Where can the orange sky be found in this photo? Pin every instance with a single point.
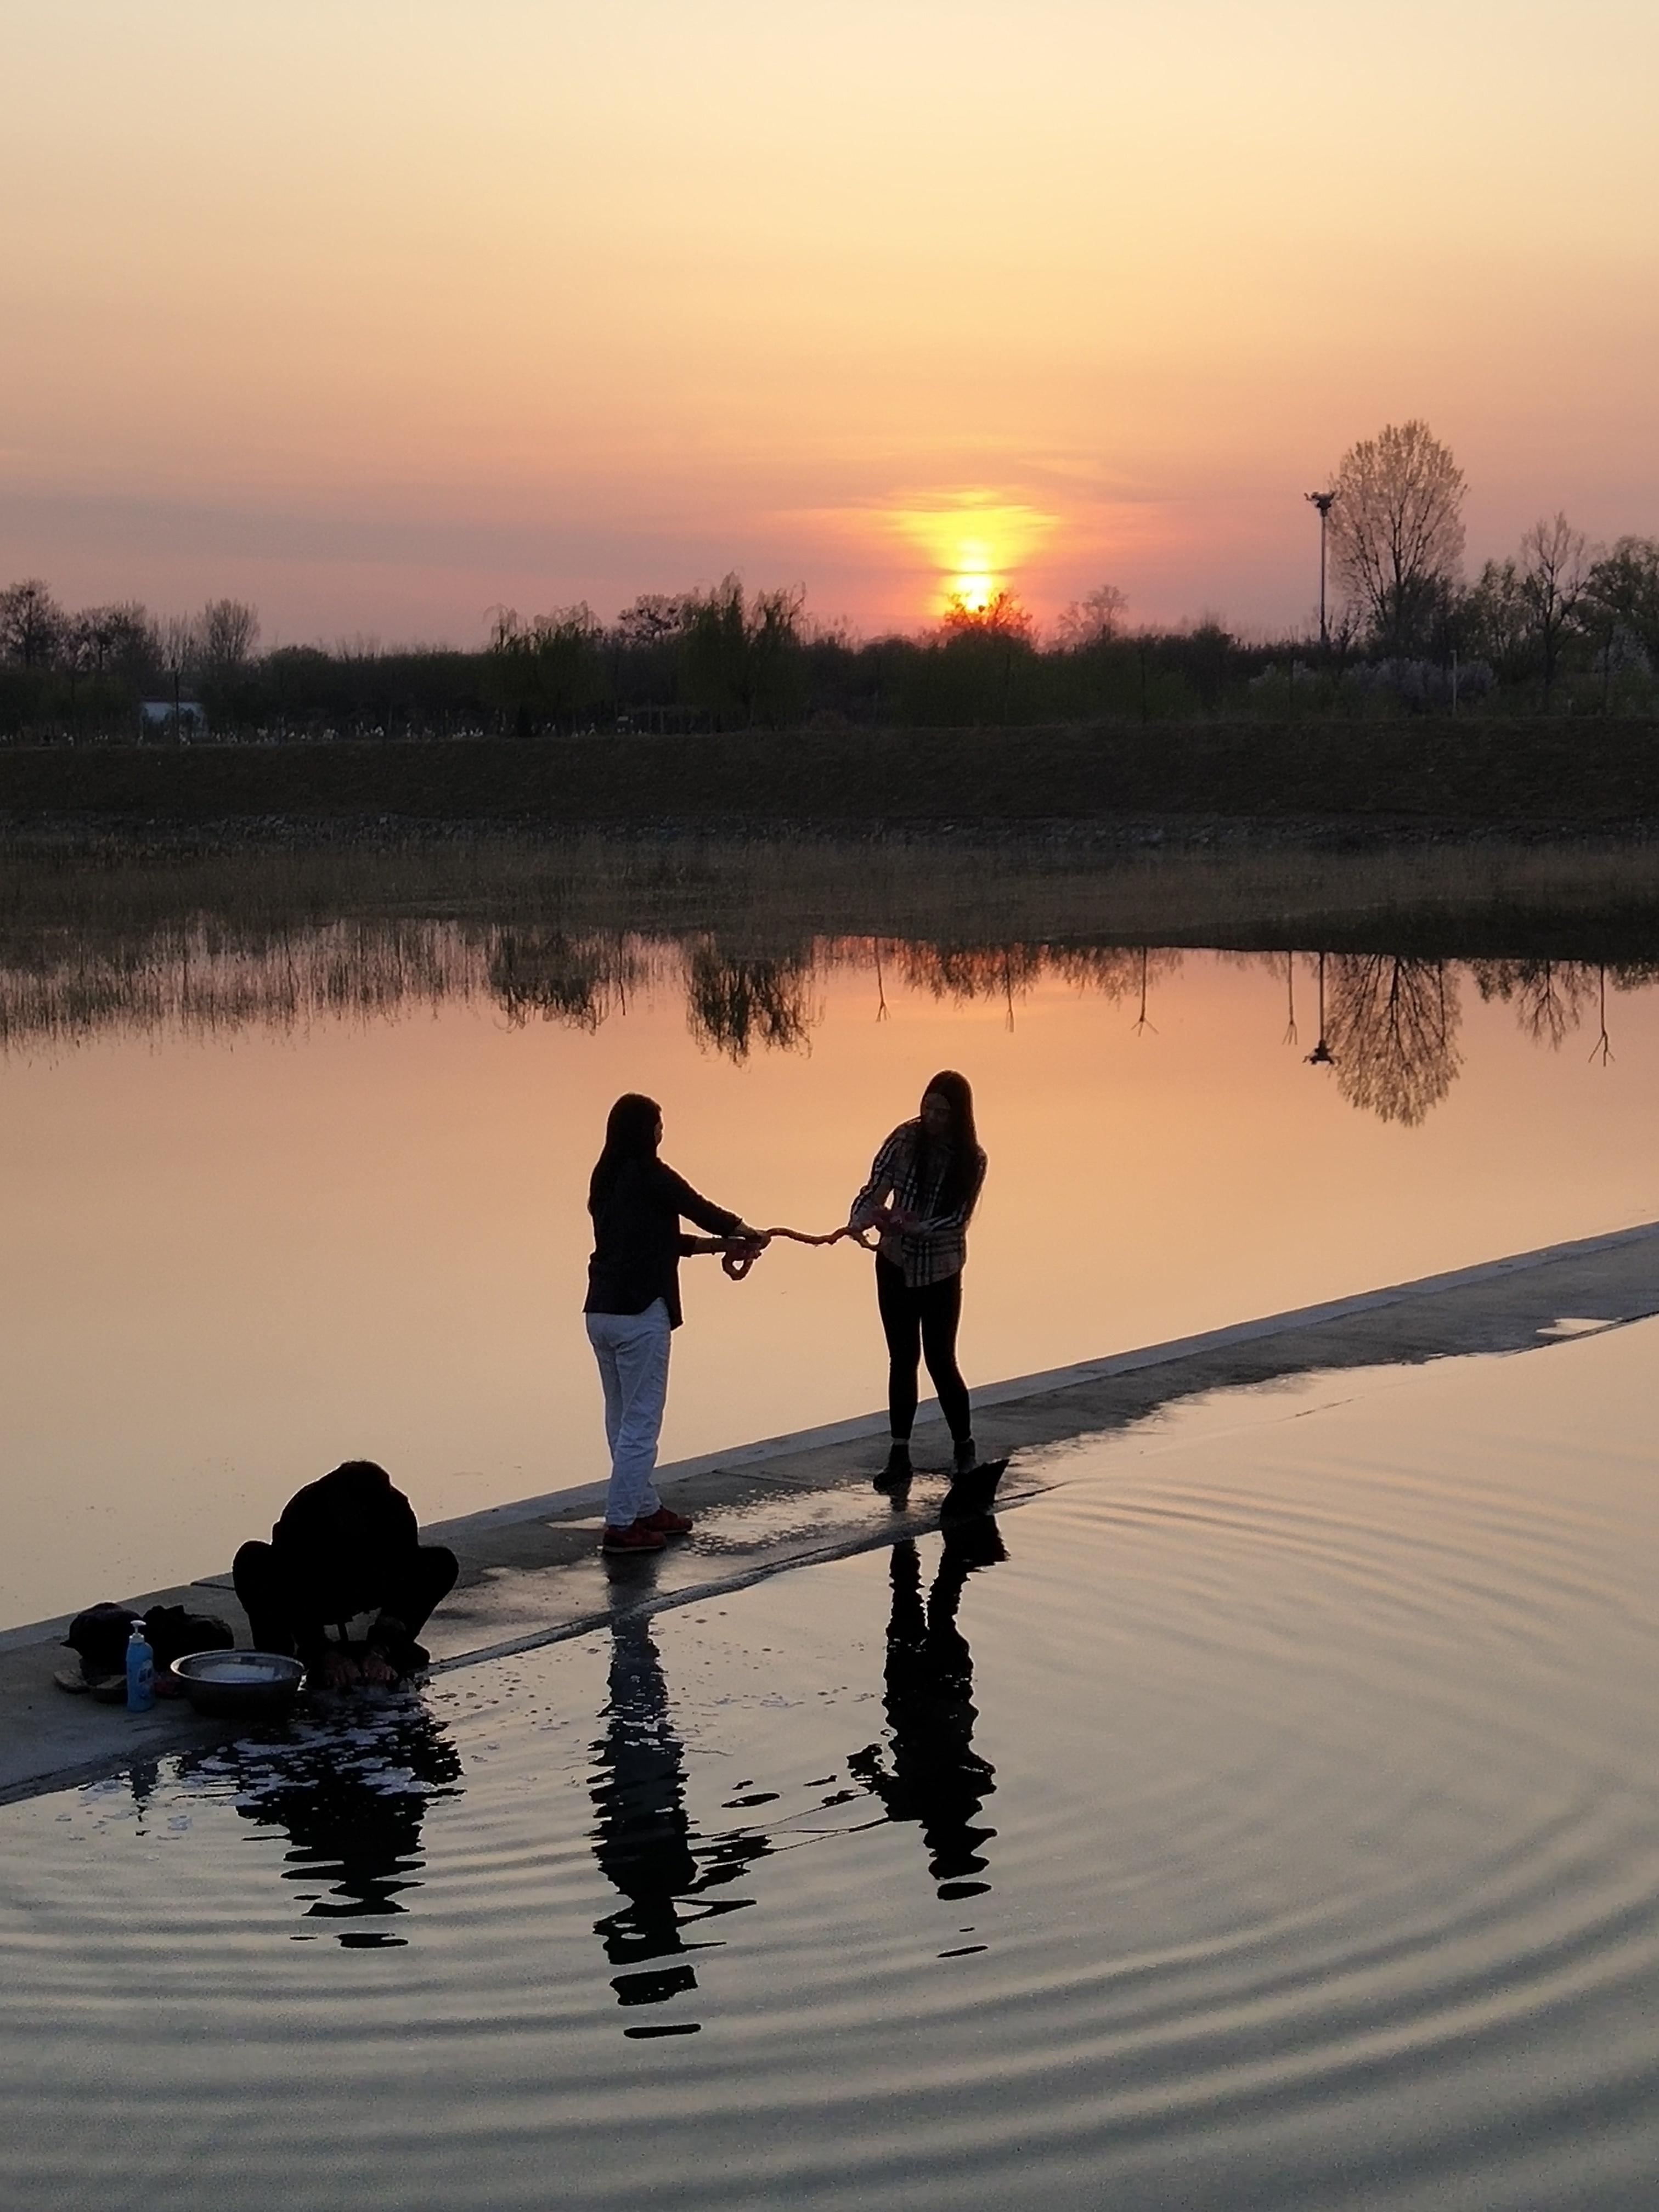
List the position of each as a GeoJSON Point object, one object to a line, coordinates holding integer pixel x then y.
{"type": "Point", "coordinates": [382, 311]}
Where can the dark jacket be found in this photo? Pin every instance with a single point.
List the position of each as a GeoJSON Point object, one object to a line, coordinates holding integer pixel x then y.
{"type": "Point", "coordinates": [345, 1539]}
{"type": "Point", "coordinates": [637, 1242]}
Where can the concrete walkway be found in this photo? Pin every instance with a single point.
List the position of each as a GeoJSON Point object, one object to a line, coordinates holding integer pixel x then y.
{"type": "Point", "coordinates": [531, 1572]}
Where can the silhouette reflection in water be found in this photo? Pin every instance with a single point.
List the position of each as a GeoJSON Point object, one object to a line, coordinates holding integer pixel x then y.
{"type": "Point", "coordinates": [352, 1797]}
{"type": "Point", "coordinates": [928, 1771]}
{"type": "Point", "coordinates": [644, 1842]}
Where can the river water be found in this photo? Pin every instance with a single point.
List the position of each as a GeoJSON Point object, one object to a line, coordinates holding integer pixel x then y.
{"type": "Point", "coordinates": [1266, 1816]}
{"type": "Point", "coordinates": [253, 1228]}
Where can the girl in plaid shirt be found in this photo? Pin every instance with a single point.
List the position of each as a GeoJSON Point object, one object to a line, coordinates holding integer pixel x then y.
{"type": "Point", "coordinates": [923, 1188]}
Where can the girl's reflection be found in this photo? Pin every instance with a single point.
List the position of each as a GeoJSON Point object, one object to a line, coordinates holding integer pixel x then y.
{"type": "Point", "coordinates": [932, 1773]}
{"type": "Point", "coordinates": [643, 1839]}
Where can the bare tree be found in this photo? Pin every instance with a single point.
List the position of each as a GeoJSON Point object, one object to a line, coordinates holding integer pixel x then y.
{"type": "Point", "coordinates": [123, 640]}
{"type": "Point", "coordinates": [1393, 1032]}
{"type": "Point", "coordinates": [1552, 575]}
{"type": "Point", "coordinates": [1495, 620]}
{"type": "Point", "coordinates": [177, 641]}
{"type": "Point", "coordinates": [33, 626]}
{"type": "Point", "coordinates": [227, 633]}
{"type": "Point", "coordinates": [1093, 620]}
{"type": "Point", "coordinates": [1396, 529]}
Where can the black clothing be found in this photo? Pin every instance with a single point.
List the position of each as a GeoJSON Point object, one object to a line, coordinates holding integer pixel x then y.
{"type": "Point", "coordinates": [100, 1636]}
{"type": "Point", "coordinates": [918, 1323]}
{"type": "Point", "coordinates": [281, 1601]}
{"type": "Point", "coordinates": [644, 1840]}
{"type": "Point", "coordinates": [345, 1544]}
{"type": "Point", "coordinates": [928, 1771]}
{"type": "Point", "coordinates": [281, 1604]}
{"type": "Point", "coordinates": [637, 1244]}
{"type": "Point", "coordinates": [353, 1803]}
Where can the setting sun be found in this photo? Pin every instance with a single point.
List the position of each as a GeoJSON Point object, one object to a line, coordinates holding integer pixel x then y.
{"type": "Point", "coordinates": [974, 542]}
{"type": "Point", "coordinates": [974, 583]}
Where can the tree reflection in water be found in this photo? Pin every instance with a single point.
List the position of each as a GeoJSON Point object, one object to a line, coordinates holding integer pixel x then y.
{"type": "Point", "coordinates": [643, 1839]}
{"type": "Point", "coordinates": [578, 981]}
{"type": "Point", "coordinates": [1549, 996]}
{"type": "Point", "coordinates": [1388, 1027]}
{"type": "Point", "coordinates": [1392, 1030]}
{"type": "Point", "coordinates": [927, 1770]}
{"type": "Point", "coordinates": [734, 1003]}
{"type": "Point", "coordinates": [352, 1798]}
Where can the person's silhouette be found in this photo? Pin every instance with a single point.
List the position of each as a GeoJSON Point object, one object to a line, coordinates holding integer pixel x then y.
{"type": "Point", "coordinates": [353, 1807]}
{"type": "Point", "coordinates": [643, 1839]}
{"type": "Point", "coordinates": [929, 1771]}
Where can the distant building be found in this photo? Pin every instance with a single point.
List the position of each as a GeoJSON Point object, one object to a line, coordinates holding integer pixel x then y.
{"type": "Point", "coordinates": [177, 717]}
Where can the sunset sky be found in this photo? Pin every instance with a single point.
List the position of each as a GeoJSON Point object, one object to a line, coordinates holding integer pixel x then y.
{"type": "Point", "coordinates": [382, 314]}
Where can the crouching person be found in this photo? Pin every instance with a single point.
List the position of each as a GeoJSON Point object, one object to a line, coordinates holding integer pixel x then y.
{"type": "Point", "coordinates": [345, 1544]}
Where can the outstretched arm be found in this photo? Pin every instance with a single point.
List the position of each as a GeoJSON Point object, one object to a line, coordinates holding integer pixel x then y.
{"type": "Point", "coordinates": [729, 1230]}
{"type": "Point", "coordinates": [870, 1209]}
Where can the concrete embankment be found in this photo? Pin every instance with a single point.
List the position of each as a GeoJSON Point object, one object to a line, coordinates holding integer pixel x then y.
{"type": "Point", "coordinates": [531, 1573]}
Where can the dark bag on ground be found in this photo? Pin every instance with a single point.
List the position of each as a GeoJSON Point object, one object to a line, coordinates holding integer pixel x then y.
{"type": "Point", "coordinates": [100, 1636]}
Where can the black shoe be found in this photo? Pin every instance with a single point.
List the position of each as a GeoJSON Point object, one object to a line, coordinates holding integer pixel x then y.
{"type": "Point", "coordinates": [896, 1475]}
{"type": "Point", "coordinates": [972, 1493]}
{"type": "Point", "coordinates": [966, 1459]}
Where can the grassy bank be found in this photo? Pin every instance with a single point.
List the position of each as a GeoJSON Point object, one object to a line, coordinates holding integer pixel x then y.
{"type": "Point", "coordinates": [65, 893]}
{"type": "Point", "coordinates": [1410, 777]}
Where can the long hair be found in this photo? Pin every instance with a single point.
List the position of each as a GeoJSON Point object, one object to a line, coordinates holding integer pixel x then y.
{"type": "Point", "coordinates": [960, 1148]}
{"type": "Point", "coordinates": [630, 1133]}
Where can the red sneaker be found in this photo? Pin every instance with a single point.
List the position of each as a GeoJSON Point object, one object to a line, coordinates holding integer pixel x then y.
{"type": "Point", "coordinates": [639, 1537]}
{"type": "Point", "coordinates": [665, 1522]}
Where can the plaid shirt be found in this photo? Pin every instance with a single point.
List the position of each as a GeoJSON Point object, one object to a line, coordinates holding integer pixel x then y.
{"type": "Point", "coordinates": [937, 1247]}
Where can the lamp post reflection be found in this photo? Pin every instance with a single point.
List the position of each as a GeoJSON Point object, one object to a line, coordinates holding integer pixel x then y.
{"type": "Point", "coordinates": [1322, 1055]}
{"type": "Point", "coordinates": [927, 1771]}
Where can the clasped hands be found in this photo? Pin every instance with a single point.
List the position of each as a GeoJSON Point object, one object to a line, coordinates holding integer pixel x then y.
{"type": "Point", "coordinates": [893, 1220]}
{"type": "Point", "coordinates": [739, 1251]}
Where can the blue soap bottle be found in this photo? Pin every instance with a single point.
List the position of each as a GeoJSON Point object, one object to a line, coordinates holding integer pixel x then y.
{"type": "Point", "coordinates": [141, 1671]}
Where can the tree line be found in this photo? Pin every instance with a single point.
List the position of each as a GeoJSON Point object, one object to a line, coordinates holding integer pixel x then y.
{"type": "Point", "coordinates": [1556, 607]}
{"type": "Point", "coordinates": [1558, 625]}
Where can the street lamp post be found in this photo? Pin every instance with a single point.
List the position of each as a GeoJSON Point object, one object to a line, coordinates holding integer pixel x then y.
{"type": "Point", "coordinates": [1324, 501]}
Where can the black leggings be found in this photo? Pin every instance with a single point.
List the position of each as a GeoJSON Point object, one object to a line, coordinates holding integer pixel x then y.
{"type": "Point", "coordinates": [921, 1324]}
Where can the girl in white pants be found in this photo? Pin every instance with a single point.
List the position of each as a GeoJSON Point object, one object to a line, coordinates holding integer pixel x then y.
{"type": "Point", "coordinates": [637, 1203]}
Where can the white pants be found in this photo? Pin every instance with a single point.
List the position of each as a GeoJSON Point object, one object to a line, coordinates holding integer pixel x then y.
{"type": "Point", "coordinates": [632, 1349]}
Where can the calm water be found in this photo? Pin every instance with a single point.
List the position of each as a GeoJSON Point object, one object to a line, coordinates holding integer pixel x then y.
{"type": "Point", "coordinates": [1276, 1824]}
{"type": "Point", "coordinates": [265, 1212]}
